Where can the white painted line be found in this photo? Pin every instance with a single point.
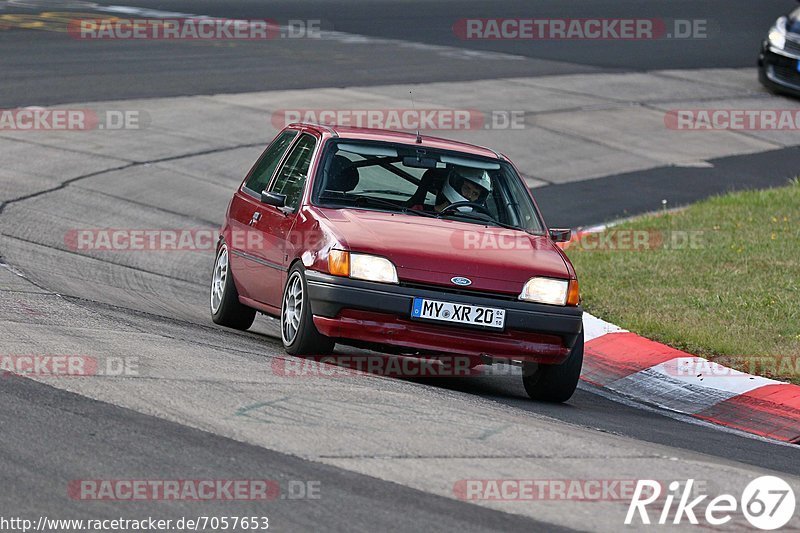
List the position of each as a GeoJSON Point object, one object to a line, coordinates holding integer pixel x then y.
{"type": "Point", "coordinates": [594, 327]}
{"type": "Point", "coordinates": [703, 373]}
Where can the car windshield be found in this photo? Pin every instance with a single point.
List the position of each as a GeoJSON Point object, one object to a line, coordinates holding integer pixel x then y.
{"type": "Point", "coordinates": [425, 182]}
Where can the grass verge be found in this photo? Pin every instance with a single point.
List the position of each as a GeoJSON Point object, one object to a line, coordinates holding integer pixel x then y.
{"type": "Point", "coordinates": [719, 279]}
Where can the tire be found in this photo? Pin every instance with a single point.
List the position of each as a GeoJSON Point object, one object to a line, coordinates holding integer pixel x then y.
{"type": "Point", "coordinates": [298, 333]}
{"type": "Point", "coordinates": [554, 383]}
{"type": "Point", "coordinates": [226, 309]}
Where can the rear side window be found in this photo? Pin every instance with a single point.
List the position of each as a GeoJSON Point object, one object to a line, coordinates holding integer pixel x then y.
{"type": "Point", "coordinates": [294, 173]}
{"type": "Point", "coordinates": [269, 161]}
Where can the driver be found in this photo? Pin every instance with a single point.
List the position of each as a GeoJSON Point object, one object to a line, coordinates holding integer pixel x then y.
{"type": "Point", "coordinates": [464, 184]}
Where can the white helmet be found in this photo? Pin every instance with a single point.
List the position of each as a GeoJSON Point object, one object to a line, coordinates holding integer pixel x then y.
{"type": "Point", "coordinates": [478, 177]}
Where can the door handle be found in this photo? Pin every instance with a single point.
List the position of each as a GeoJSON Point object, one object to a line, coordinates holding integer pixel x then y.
{"type": "Point", "coordinates": [256, 218]}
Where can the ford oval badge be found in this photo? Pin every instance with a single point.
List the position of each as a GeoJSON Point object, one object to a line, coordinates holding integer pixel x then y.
{"type": "Point", "coordinates": [458, 280]}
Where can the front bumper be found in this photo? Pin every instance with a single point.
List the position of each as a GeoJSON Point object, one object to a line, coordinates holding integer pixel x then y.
{"type": "Point", "coordinates": [379, 313]}
{"type": "Point", "coordinates": [778, 69]}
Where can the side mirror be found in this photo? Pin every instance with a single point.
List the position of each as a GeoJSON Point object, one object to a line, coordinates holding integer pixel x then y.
{"type": "Point", "coordinates": [273, 198]}
{"type": "Point", "coordinates": [560, 234]}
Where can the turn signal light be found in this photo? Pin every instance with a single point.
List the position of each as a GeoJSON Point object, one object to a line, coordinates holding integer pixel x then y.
{"type": "Point", "coordinates": [574, 294]}
{"type": "Point", "coordinates": [339, 263]}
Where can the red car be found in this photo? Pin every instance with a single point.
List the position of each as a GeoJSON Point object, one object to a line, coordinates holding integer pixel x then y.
{"type": "Point", "coordinates": [401, 242]}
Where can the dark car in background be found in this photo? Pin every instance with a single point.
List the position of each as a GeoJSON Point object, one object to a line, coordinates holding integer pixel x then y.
{"type": "Point", "coordinates": [779, 60]}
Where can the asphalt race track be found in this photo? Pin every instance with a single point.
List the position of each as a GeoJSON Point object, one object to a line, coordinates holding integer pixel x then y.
{"type": "Point", "coordinates": [67, 70]}
{"type": "Point", "coordinates": [205, 402]}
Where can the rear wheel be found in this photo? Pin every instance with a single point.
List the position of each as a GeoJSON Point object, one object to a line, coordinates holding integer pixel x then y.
{"type": "Point", "coordinates": [226, 309]}
{"type": "Point", "coordinates": [554, 383]}
{"type": "Point", "coordinates": [299, 335]}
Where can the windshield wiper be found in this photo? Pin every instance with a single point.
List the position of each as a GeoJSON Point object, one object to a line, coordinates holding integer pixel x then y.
{"type": "Point", "coordinates": [384, 191]}
{"type": "Point", "coordinates": [483, 218]}
{"type": "Point", "coordinates": [356, 200]}
{"type": "Point", "coordinates": [401, 208]}
{"type": "Point", "coordinates": [337, 195]}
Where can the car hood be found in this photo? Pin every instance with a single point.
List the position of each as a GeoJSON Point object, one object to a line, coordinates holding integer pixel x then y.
{"type": "Point", "coordinates": [433, 251]}
{"type": "Point", "coordinates": [794, 21]}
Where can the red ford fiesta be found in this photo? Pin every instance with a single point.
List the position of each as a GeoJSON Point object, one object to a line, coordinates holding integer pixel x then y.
{"type": "Point", "coordinates": [404, 243]}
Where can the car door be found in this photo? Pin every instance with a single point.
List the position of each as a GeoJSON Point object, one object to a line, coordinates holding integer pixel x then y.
{"type": "Point", "coordinates": [245, 209]}
{"type": "Point", "coordinates": [275, 223]}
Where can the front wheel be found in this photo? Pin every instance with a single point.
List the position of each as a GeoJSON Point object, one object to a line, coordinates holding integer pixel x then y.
{"type": "Point", "coordinates": [298, 333]}
{"type": "Point", "coordinates": [554, 383]}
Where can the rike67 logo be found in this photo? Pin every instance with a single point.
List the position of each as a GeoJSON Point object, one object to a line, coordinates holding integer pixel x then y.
{"type": "Point", "coordinates": [767, 502]}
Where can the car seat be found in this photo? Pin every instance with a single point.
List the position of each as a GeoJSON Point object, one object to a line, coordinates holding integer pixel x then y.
{"type": "Point", "coordinates": [431, 181]}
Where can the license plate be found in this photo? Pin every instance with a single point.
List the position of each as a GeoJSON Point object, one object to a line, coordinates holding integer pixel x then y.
{"type": "Point", "coordinates": [473, 315]}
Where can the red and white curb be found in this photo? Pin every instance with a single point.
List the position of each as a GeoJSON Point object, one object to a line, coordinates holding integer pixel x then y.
{"type": "Point", "coordinates": [656, 374]}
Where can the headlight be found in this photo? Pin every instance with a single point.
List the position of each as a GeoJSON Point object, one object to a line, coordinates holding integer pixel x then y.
{"type": "Point", "coordinates": [777, 34]}
{"type": "Point", "coordinates": [361, 266]}
{"type": "Point", "coordinates": [551, 291]}
{"type": "Point", "coordinates": [372, 268]}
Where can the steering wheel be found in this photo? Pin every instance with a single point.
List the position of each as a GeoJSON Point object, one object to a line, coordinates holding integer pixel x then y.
{"type": "Point", "coordinates": [473, 205]}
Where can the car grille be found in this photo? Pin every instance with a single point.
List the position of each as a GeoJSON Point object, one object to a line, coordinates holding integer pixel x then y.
{"type": "Point", "coordinates": [788, 75]}
{"type": "Point", "coordinates": [792, 47]}
{"type": "Point", "coordinates": [449, 290]}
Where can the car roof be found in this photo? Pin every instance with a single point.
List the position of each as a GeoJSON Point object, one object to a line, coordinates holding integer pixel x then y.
{"type": "Point", "coordinates": [400, 137]}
